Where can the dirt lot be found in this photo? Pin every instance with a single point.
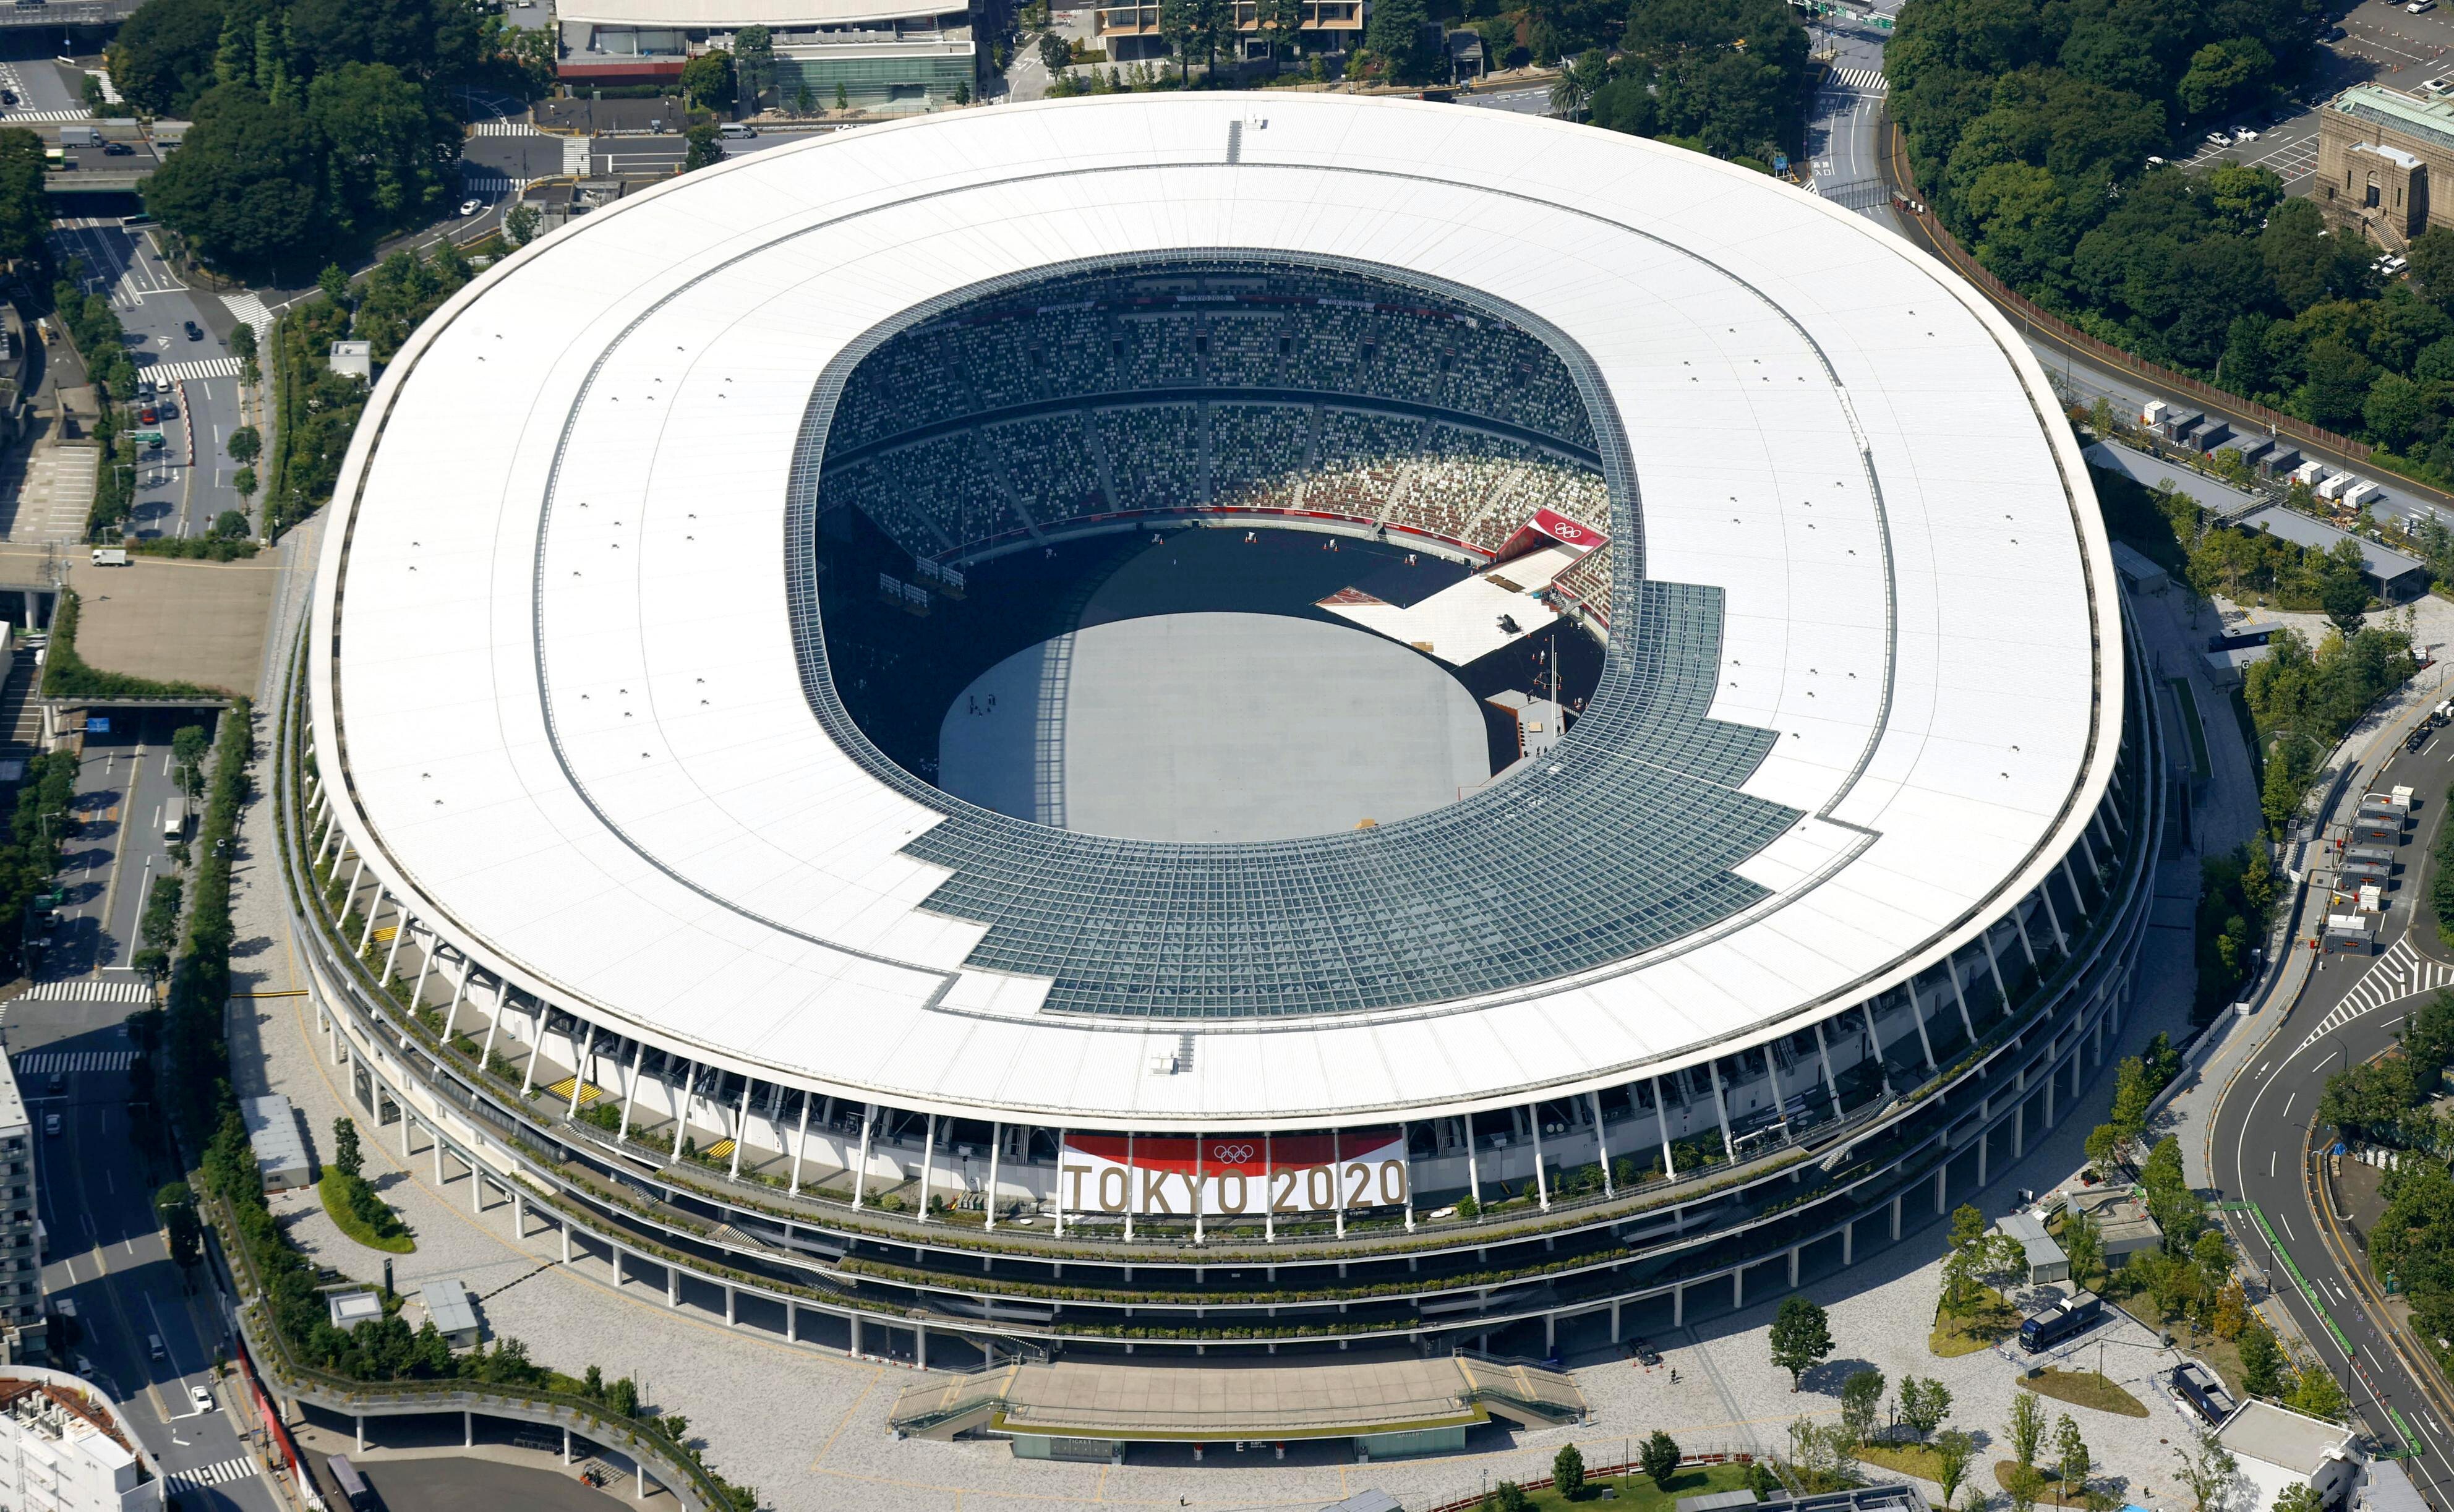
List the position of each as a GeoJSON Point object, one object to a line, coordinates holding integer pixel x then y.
{"type": "Point", "coordinates": [200, 622]}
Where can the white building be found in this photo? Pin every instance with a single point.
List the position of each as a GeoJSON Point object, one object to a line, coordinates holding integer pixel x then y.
{"type": "Point", "coordinates": [64, 1447]}
{"type": "Point", "coordinates": [22, 1328]}
{"type": "Point", "coordinates": [2278, 1448]}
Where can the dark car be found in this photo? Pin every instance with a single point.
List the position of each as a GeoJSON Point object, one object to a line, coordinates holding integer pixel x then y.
{"type": "Point", "coordinates": [8, 96]}
{"type": "Point", "coordinates": [195, 331]}
{"type": "Point", "coordinates": [117, 150]}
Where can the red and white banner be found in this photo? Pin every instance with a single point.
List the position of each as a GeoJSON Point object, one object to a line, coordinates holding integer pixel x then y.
{"type": "Point", "coordinates": [1549, 527]}
{"type": "Point", "coordinates": [1231, 1175]}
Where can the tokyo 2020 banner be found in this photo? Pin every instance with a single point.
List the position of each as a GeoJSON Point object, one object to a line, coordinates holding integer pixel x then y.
{"type": "Point", "coordinates": [1230, 1175]}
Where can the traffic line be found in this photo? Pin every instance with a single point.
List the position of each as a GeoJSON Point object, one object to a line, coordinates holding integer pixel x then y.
{"type": "Point", "coordinates": [89, 989]}
{"type": "Point", "coordinates": [2400, 972]}
{"type": "Point", "coordinates": [40, 1063]}
{"type": "Point", "coordinates": [189, 371]}
{"type": "Point", "coordinates": [1866, 81]}
{"type": "Point", "coordinates": [196, 1479]}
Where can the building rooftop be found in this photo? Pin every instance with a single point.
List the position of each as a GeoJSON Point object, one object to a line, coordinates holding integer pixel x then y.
{"type": "Point", "coordinates": [12, 1102]}
{"type": "Point", "coordinates": [2262, 1430]}
{"type": "Point", "coordinates": [273, 1129]}
{"type": "Point", "coordinates": [2429, 120]}
{"type": "Point", "coordinates": [620, 786]}
{"type": "Point", "coordinates": [2382, 562]}
{"type": "Point", "coordinates": [449, 1305]}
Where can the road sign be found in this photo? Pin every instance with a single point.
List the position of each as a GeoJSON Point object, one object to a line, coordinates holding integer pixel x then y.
{"type": "Point", "coordinates": [97, 724]}
{"type": "Point", "coordinates": [152, 439]}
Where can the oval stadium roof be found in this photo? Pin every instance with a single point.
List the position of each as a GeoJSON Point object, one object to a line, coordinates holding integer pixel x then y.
{"type": "Point", "coordinates": [1861, 699]}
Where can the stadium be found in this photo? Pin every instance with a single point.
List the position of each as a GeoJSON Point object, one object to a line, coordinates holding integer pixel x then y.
{"type": "Point", "coordinates": [1219, 726]}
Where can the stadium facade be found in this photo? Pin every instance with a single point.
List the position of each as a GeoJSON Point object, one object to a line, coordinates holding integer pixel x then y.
{"type": "Point", "coordinates": [1823, 912]}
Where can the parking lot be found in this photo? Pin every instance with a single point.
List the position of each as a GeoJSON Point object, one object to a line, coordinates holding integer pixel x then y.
{"type": "Point", "coordinates": [2380, 43]}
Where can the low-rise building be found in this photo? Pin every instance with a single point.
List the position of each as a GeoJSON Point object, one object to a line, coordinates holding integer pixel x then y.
{"type": "Point", "coordinates": [886, 55]}
{"type": "Point", "coordinates": [2123, 1225]}
{"type": "Point", "coordinates": [453, 1311]}
{"type": "Point", "coordinates": [2378, 149]}
{"type": "Point", "coordinates": [281, 1157]}
{"type": "Point", "coordinates": [2043, 1257]}
{"type": "Point", "coordinates": [2278, 1448]}
{"type": "Point", "coordinates": [1132, 32]}
{"type": "Point", "coordinates": [2393, 575]}
{"type": "Point", "coordinates": [64, 1446]}
{"type": "Point", "coordinates": [23, 1328]}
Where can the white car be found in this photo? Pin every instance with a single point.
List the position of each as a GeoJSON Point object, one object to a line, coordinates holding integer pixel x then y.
{"type": "Point", "coordinates": [2420, 7]}
{"type": "Point", "coordinates": [471, 206]}
{"type": "Point", "coordinates": [2443, 84]}
{"type": "Point", "coordinates": [2217, 139]}
{"type": "Point", "coordinates": [85, 1367]}
{"type": "Point", "coordinates": [50, 1125]}
{"type": "Point", "coordinates": [2244, 135]}
{"type": "Point", "coordinates": [202, 1397]}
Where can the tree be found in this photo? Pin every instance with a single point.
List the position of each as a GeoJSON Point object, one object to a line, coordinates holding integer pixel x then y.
{"type": "Point", "coordinates": [521, 224]}
{"type": "Point", "coordinates": [2027, 1428]}
{"type": "Point", "coordinates": [623, 1396]}
{"type": "Point", "coordinates": [707, 80]}
{"type": "Point", "coordinates": [2262, 1362]}
{"type": "Point", "coordinates": [1801, 1338]}
{"type": "Point", "coordinates": [242, 188]}
{"type": "Point", "coordinates": [1577, 83]}
{"type": "Point", "coordinates": [1054, 55]}
{"type": "Point", "coordinates": [2299, 1496]}
{"type": "Point", "coordinates": [706, 148]}
{"type": "Point", "coordinates": [346, 1157]}
{"type": "Point", "coordinates": [1953, 1449]}
{"type": "Point", "coordinates": [228, 525]}
{"type": "Point", "coordinates": [1568, 1471]}
{"type": "Point", "coordinates": [1395, 34]}
{"type": "Point", "coordinates": [388, 154]}
{"type": "Point", "coordinates": [246, 442]}
{"type": "Point", "coordinates": [753, 63]}
{"type": "Point", "coordinates": [2316, 1392]}
{"type": "Point", "coordinates": [25, 214]}
{"type": "Point", "coordinates": [2207, 1472]}
{"type": "Point", "coordinates": [1923, 1405]}
{"type": "Point", "coordinates": [175, 1205]}
{"type": "Point", "coordinates": [1862, 1399]}
{"type": "Point", "coordinates": [2170, 1201]}
{"type": "Point", "coordinates": [1510, 1497]}
{"type": "Point", "coordinates": [2342, 592]}
{"type": "Point", "coordinates": [2071, 1458]}
{"type": "Point", "coordinates": [2023, 1484]}
{"type": "Point", "coordinates": [1660, 1458]}
{"type": "Point", "coordinates": [162, 57]}
{"type": "Point", "coordinates": [2084, 1243]}
{"type": "Point", "coordinates": [188, 744]}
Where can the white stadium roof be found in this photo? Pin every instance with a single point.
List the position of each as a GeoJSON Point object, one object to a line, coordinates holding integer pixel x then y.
{"type": "Point", "coordinates": [554, 647]}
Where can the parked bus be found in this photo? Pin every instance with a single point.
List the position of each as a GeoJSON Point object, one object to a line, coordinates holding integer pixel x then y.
{"type": "Point", "coordinates": [2060, 1321]}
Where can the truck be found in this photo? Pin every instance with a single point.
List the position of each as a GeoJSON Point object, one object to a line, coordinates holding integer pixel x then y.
{"type": "Point", "coordinates": [174, 818]}
{"type": "Point", "coordinates": [77, 134]}
{"type": "Point", "coordinates": [2065, 1318]}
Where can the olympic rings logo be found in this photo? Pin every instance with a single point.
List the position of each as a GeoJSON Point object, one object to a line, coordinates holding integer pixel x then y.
{"type": "Point", "coordinates": [1570, 533]}
{"type": "Point", "coordinates": [1232, 1153]}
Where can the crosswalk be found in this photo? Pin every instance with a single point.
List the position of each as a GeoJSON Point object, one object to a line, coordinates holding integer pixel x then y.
{"type": "Point", "coordinates": [193, 372]}
{"type": "Point", "coordinates": [44, 1064]}
{"type": "Point", "coordinates": [250, 309]}
{"type": "Point", "coordinates": [504, 129]}
{"type": "Point", "coordinates": [2400, 972]}
{"type": "Point", "coordinates": [89, 989]}
{"type": "Point", "coordinates": [1866, 81]}
{"type": "Point", "coordinates": [484, 181]}
{"type": "Point", "coordinates": [204, 1475]}
{"type": "Point", "coordinates": [16, 117]}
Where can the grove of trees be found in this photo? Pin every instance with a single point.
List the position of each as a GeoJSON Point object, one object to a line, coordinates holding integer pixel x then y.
{"type": "Point", "coordinates": [320, 126]}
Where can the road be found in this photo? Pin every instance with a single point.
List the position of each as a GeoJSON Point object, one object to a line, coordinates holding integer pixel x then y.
{"type": "Point", "coordinates": [186, 485]}
{"type": "Point", "coordinates": [2348, 1011]}
{"type": "Point", "coordinates": [118, 847]}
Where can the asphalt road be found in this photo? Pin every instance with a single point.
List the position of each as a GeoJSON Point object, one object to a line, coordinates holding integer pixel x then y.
{"type": "Point", "coordinates": [2345, 1016]}
{"type": "Point", "coordinates": [118, 846]}
{"type": "Point", "coordinates": [182, 488]}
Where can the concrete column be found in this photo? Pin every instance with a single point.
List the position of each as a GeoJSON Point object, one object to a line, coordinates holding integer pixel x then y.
{"type": "Point", "coordinates": [1849, 1243]}
{"type": "Point", "coordinates": [362, 1432]}
{"type": "Point", "coordinates": [681, 1106]}
{"type": "Point", "coordinates": [477, 1185]}
{"type": "Point", "coordinates": [741, 1136]}
{"type": "Point", "coordinates": [579, 1071]}
{"type": "Point", "coordinates": [929, 1163]}
{"type": "Point", "coordinates": [1951, 970]}
{"type": "Point", "coordinates": [400, 927]}
{"type": "Point", "coordinates": [1613, 1320]}
{"type": "Point", "coordinates": [2026, 944]}
{"type": "Point", "coordinates": [2053, 1078]}
{"type": "Point", "coordinates": [437, 1147]}
{"type": "Point", "coordinates": [519, 1215]}
{"type": "Point", "coordinates": [1678, 1304]}
{"type": "Point", "coordinates": [630, 1089]}
{"type": "Point", "coordinates": [732, 1312]}
{"type": "Point", "coordinates": [1060, 1186]}
{"type": "Point", "coordinates": [1550, 1332]}
{"type": "Point", "coordinates": [861, 1171]}
{"type": "Point", "coordinates": [920, 1346]}
{"type": "Point", "coordinates": [1940, 1172]}
{"type": "Point", "coordinates": [493, 1026]}
{"type": "Point", "coordinates": [1602, 1144]}
{"type": "Point", "coordinates": [2019, 1130]}
{"type": "Point", "coordinates": [672, 1284]}
{"type": "Point", "coordinates": [639, 1491]}
{"type": "Point", "coordinates": [565, 1242]}
{"type": "Point", "coordinates": [1197, 1181]}
{"type": "Point", "coordinates": [1875, 1037]}
{"type": "Point", "coordinates": [1270, 1171]}
{"type": "Point", "coordinates": [1473, 1172]}
{"type": "Point", "coordinates": [1721, 1110]}
{"type": "Point", "coordinates": [801, 1137]}
{"type": "Point", "coordinates": [425, 965]}
{"type": "Point", "coordinates": [459, 991]}
{"type": "Point", "coordinates": [1983, 1139]}
{"type": "Point", "coordinates": [1337, 1178]}
{"type": "Point", "coordinates": [1917, 1017]}
{"type": "Point", "coordinates": [536, 1048]}
{"type": "Point", "coordinates": [1793, 1267]}
{"type": "Point", "coordinates": [1129, 1193]}
{"type": "Point", "coordinates": [1661, 1125]}
{"type": "Point", "coordinates": [359, 875]}
{"type": "Point", "coordinates": [367, 932]}
{"type": "Point", "coordinates": [2046, 896]}
{"type": "Point", "coordinates": [1739, 1288]}
{"type": "Point", "coordinates": [468, 1430]}
{"type": "Point", "coordinates": [856, 1346]}
{"type": "Point", "coordinates": [1994, 967]}
{"type": "Point", "coordinates": [405, 1122]}
{"type": "Point", "coordinates": [1895, 1220]}
{"type": "Point", "coordinates": [566, 1445]}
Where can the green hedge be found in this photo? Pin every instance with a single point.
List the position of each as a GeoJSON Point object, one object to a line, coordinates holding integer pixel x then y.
{"type": "Point", "coordinates": [207, 548]}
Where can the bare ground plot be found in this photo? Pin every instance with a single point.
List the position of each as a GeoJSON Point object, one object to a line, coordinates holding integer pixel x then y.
{"type": "Point", "coordinates": [200, 622]}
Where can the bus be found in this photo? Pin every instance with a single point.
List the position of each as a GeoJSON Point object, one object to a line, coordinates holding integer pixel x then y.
{"type": "Point", "coordinates": [2063, 1318]}
{"type": "Point", "coordinates": [360, 1497]}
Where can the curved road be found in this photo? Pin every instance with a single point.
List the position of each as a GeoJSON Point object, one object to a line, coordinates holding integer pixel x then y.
{"type": "Point", "coordinates": [2258, 1146]}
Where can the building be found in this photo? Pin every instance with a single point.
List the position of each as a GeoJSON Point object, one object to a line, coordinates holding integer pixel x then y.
{"type": "Point", "coordinates": [2377, 150]}
{"type": "Point", "coordinates": [63, 1444]}
{"type": "Point", "coordinates": [1133, 32]}
{"type": "Point", "coordinates": [453, 1311]}
{"type": "Point", "coordinates": [2278, 1448]}
{"type": "Point", "coordinates": [1646, 1040]}
{"type": "Point", "coordinates": [2043, 1257]}
{"type": "Point", "coordinates": [23, 1328]}
{"type": "Point", "coordinates": [347, 1309]}
{"type": "Point", "coordinates": [281, 1155]}
{"type": "Point", "coordinates": [888, 55]}
{"type": "Point", "coordinates": [2123, 1225]}
{"type": "Point", "coordinates": [354, 359]}
{"type": "Point", "coordinates": [2393, 575]}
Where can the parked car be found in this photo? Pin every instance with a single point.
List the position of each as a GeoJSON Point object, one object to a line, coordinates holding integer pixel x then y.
{"type": "Point", "coordinates": [50, 1125]}
{"type": "Point", "coordinates": [2420, 7]}
{"type": "Point", "coordinates": [195, 331]}
{"type": "Point", "coordinates": [2217, 139]}
{"type": "Point", "coordinates": [2244, 135]}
